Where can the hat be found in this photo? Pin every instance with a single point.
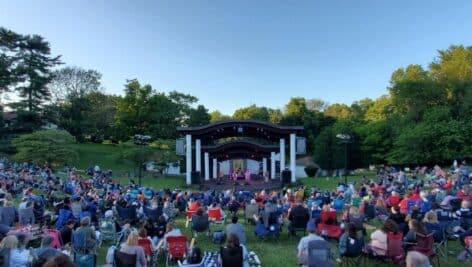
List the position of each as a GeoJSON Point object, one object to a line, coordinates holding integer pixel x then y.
{"type": "Point", "coordinates": [311, 226]}
{"type": "Point", "coordinates": [108, 214]}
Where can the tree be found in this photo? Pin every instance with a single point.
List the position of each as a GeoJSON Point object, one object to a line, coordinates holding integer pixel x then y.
{"type": "Point", "coordinates": [184, 104]}
{"type": "Point", "coordinates": [50, 147]}
{"type": "Point", "coordinates": [9, 46]}
{"type": "Point", "coordinates": [143, 111]}
{"type": "Point", "coordinates": [34, 69]}
{"type": "Point", "coordinates": [338, 111]}
{"type": "Point", "coordinates": [379, 110]}
{"type": "Point", "coordinates": [73, 117]}
{"type": "Point", "coordinates": [199, 116]}
{"type": "Point", "coordinates": [216, 116]}
{"type": "Point", "coordinates": [252, 112]}
{"type": "Point", "coordinates": [74, 82]}
{"type": "Point", "coordinates": [316, 104]}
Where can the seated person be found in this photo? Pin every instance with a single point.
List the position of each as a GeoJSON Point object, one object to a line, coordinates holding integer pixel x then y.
{"type": "Point", "coordinates": [66, 232]}
{"type": "Point", "coordinates": [236, 228]}
{"type": "Point", "coordinates": [416, 259]}
{"type": "Point", "coordinates": [378, 243]}
{"type": "Point", "coordinates": [415, 227]}
{"type": "Point", "coordinates": [302, 249]}
{"type": "Point", "coordinates": [432, 225]}
{"type": "Point", "coordinates": [145, 242]}
{"type": "Point", "coordinates": [398, 218]}
{"type": "Point", "coordinates": [298, 216]}
{"type": "Point", "coordinates": [131, 247]}
{"type": "Point", "coordinates": [349, 243]}
{"type": "Point", "coordinates": [90, 236]}
{"type": "Point", "coordinates": [200, 222]}
{"type": "Point", "coordinates": [233, 254]}
{"type": "Point", "coordinates": [170, 231]}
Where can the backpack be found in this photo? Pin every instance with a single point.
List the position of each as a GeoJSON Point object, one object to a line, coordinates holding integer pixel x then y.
{"type": "Point", "coordinates": [219, 237]}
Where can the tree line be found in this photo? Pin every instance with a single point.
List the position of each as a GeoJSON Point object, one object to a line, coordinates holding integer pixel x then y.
{"type": "Point", "coordinates": [424, 117]}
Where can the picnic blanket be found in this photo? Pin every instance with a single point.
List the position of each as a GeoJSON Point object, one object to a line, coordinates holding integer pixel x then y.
{"type": "Point", "coordinates": [210, 259]}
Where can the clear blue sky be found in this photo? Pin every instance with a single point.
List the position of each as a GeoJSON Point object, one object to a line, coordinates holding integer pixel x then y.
{"type": "Point", "coordinates": [235, 53]}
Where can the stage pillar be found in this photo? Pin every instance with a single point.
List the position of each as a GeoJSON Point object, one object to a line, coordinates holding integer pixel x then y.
{"type": "Point", "coordinates": [293, 156]}
{"type": "Point", "coordinates": [272, 165]}
{"type": "Point", "coordinates": [264, 169]}
{"type": "Point", "coordinates": [198, 156]}
{"type": "Point", "coordinates": [282, 156]}
{"type": "Point", "coordinates": [188, 159]}
{"type": "Point", "coordinates": [215, 168]}
{"type": "Point", "coordinates": [207, 166]}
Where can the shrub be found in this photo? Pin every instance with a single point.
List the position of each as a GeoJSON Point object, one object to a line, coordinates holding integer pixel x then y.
{"type": "Point", "coordinates": [311, 170]}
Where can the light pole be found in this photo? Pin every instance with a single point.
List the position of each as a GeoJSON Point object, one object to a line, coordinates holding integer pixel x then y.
{"type": "Point", "coordinates": [344, 139]}
{"type": "Point", "coordinates": [141, 141]}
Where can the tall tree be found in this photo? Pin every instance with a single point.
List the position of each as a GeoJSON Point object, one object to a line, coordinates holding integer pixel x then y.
{"type": "Point", "coordinates": [72, 82]}
{"type": "Point", "coordinates": [34, 69]}
{"type": "Point", "coordinates": [184, 104]}
{"type": "Point", "coordinates": [199, 116]}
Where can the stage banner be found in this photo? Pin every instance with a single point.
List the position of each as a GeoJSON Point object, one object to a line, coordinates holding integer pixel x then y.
{"type": "Point", "coordinates": [301, 146]}
{"type": "Point", "coordinates": [180, 146]}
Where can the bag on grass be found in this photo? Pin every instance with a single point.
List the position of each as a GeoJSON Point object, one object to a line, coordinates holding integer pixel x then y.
{"type": "Point", "coordinates": [219, 237]}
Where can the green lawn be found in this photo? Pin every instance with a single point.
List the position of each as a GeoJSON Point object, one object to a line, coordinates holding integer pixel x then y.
{"type": "Point", "coordinates": [272, 253]}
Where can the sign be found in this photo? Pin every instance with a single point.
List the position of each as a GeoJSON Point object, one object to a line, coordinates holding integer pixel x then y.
{"type": "Point", "coordinates": [301, 146]}
{"type": "Point", "coordinates": [180, 146]}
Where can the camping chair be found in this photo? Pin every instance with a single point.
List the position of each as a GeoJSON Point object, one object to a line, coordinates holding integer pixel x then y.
{"type": "Point", "coordinates": [328, 226]}
{"type": "Point", "coordinates": [108, 230]}
{"type": "Point", "coordinates": [124, 259]}
{"type": "Point", "coordinates": [128, 213]}
{"type": "Point", "coordinates": [354, 252]}
{"type": "Point", "coordinates": [338, 205]}
{"type": "Point", "coordinates": [176, 248]}
{"type": "Point", "coordinates": [57, 242]}
{"type": "Point", "coordinates": [249, 211]}
{"type": "Point", "coordinates": [153, 214]}
{"type": "Point", "coordinates": [425, 245]}
{"type": "Point", "coordinates": [298, 224]}
{"type": "Point", "coordinates": [440, 241]}
{"type": "Point", "coordinates": [26, 216]}
{"type": "Point", "coordinates": [84, 256]}
{"type": "Point", "coordinates": [319, 254]}
{"type": "Point", "coordinates": [151, 255]}
{"type": "Point", "coordinates": [315, 215]}
{"type": "Point", "coordinates": [214, 215]}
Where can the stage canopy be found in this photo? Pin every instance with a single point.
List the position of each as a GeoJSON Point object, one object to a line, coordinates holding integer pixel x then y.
{"type": "Point", "coordinates": [238, 139]}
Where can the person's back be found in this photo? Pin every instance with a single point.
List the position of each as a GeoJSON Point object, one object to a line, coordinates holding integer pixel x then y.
{"type": "Point", "coordinates": [76, 209]}
{"type": "Point", "coordinates": [200, 221]}
{"type": "Point", "coordinates": [237, 229]}
{"type": "Point", "coordinates": [231, 257]}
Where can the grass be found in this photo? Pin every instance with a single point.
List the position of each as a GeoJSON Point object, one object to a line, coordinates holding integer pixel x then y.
{"type": "Point", "coordinates": [281, 253]}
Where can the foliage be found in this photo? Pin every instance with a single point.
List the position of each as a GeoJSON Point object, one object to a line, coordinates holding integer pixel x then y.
{"type": "Point", "coordinates": [74, 82]}
{"type": "Point", "coordinates": [199, 116]}
{"type": "Point", "coordinates": [252, 112]}
{"type": "Point", "coordinates": [50, 147]}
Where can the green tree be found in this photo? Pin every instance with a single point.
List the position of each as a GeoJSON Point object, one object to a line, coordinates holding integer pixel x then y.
{"type": "Point", "coordinates": [143, 111]}
{"type": "Point", "coordinates": [50, 147]}
{"type": "Point", "coordinates": [184, 104]}
{"type": "Point", "coordinates": [252, 112]}
{"type": "Point", "coordinates": [338, 111]}
{"type": "Point", "coordinates": [199, 116]}
{"type": "Point", "coordinates": [379, 110]}
{"type": "Point", "coordinates": [217, 116]}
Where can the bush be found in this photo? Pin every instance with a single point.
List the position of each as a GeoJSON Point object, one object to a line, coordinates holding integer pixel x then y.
{"type": "Point", "coordinates": [311, 170]}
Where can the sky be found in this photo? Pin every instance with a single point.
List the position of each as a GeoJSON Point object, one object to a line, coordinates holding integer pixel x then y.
{"type": "Point", "coordinates": [232, 54]}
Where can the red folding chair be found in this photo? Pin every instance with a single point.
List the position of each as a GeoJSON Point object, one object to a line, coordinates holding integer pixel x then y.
{"type": "Point", "coordinates": [176, 248]}
{"type": "Point", "coordinates": [215, 215]}
{"type": "Point", "coordinates": [55, 234]}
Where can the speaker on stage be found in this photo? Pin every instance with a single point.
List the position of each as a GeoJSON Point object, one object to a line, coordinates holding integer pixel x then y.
{"type": "Point", "coordinates": [195, 177]}
{"type": "Point", "coordinates": [286, 176]}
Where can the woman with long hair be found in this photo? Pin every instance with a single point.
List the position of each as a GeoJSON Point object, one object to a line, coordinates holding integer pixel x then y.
{"type": "Point", "coordinates": [233, 254]}
{"type": "Point", "coordinates": [131, 247]}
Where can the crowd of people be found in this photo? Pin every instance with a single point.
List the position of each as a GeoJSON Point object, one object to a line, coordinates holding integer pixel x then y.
{"type": "Point", "coordinates": [82, 212]}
